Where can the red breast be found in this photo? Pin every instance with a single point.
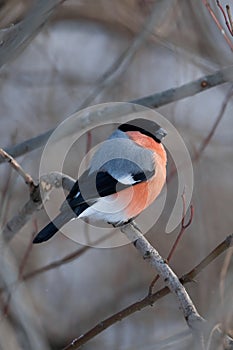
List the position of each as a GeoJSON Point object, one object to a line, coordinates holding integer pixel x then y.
{"type": "Point", "coordinates": [140, 196]}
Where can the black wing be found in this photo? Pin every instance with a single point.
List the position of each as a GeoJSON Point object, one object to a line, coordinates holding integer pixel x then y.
{"type": "Point", "coordinates": [90, 187]}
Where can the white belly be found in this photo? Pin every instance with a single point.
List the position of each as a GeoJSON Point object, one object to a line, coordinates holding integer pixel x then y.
{"type": "Point", "coordinates": [108, 209]}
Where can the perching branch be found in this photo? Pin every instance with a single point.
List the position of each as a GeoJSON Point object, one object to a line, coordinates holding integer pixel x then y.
{"type": "Point", "coordinates": [149, 300]}
{"type": "Point", "coordinates": [193, 319]}
{"type": "Point", "coordinates": [154, 101]}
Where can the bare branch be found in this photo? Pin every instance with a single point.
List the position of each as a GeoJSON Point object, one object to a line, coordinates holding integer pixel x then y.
{"type": "Point", "coordinates": [182, 230]}
{"type": "Point", "coordinates": [47, 183]}
{"type": "Point", "coordinates": [154, 101]}
{"type": "Point", "coordinates": [226, 244]}
{"type": "Point", "coordinates": [28, 145]}
{"type": "Point", "coordinates": [14, 38]}
{"type": "Point", "coordinates": [186, 90]}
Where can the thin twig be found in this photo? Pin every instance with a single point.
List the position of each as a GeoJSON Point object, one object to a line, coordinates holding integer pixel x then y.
{"type": "Point", "coordinates": [216, 21]}
{"type": "Point", "coordinates": [149, 300]}
{"type": "Point", "coordinates": [224, 15]}
{"type": "Point", "coordinates": [207, 139]}
{"type": "Point", "coordinates": [229, 18]}
{"type": "Point", "coordinates": [184, 226]}
{"type": "Point", "coordinates": [27, 178]}
{"type": "Point", "coordinates": [227, 243]}
{"type": "Point", "coordinates": [154, 101]}
{"type": "Point", "coordinates": [182, 230]}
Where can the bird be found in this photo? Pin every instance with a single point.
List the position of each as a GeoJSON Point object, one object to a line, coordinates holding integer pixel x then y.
{"type": "Point", "coordinates": [125, 175]}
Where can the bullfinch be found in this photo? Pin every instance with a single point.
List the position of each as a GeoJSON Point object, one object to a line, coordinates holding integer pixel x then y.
{"type": "Point", "coordinates": [126, 174]}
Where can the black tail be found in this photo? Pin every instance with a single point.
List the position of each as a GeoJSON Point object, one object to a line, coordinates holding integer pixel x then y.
{"type": "Point", "coordinates": [49, 231]}
{"type": "Point", "coordinates": [46, 233]}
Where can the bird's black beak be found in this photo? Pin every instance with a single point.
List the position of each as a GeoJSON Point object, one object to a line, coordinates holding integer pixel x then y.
{"type": "Point", "coordinates": [161, 133]}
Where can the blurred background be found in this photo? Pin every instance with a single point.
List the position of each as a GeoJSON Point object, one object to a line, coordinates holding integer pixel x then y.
{"type": "Point", "coordinates": [51, 77]}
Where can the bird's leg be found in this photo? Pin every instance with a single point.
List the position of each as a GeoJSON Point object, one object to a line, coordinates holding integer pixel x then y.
{"type": "Point", "coordinates": [120, 223]}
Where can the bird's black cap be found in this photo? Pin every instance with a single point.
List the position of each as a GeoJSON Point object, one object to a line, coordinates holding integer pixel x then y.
{"type": "Point", "coordinates": [146, 127]}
